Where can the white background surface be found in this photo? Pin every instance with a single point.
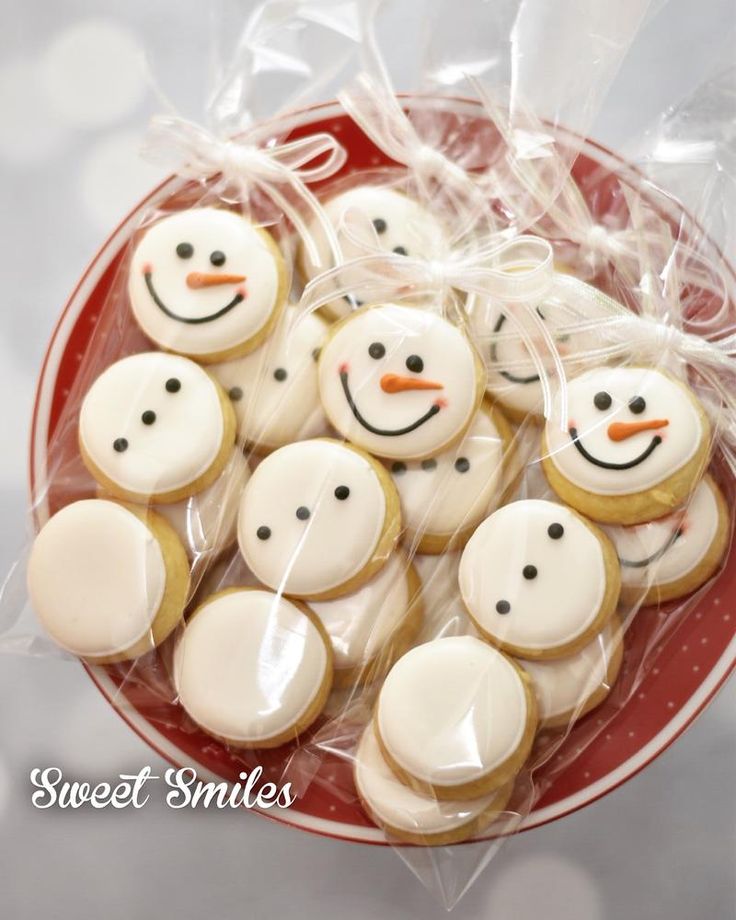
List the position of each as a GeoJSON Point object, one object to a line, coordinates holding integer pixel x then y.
{"type": "Point", "coordinates": [73, 103]}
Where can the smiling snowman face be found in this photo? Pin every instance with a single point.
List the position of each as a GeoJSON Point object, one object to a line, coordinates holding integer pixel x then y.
{"type": "Point", "coordinates": [399, 381]}
{"type": "Point", "coordinates": [629, 429]}
{"type": "Point", "coordinates": [206, 283]}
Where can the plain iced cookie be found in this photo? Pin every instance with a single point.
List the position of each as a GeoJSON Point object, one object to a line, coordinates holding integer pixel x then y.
{"type": "Point", "coordinates": [318, 519]}
{"type": "Point", "coordinates": [274, 389]}
{"type": "Point", "coordinates": [539, 581]}
{"type": "Point", "coordinates": [569, 688]}
{"type": "Point", "coordinates": [207, 283]}
{"type": "Point", "coordinates": [370, 628]}
{"type": "Point", "coordinates": [155, 427]}
{"type": "Point", "coordinates": [411, 816]}
{"type": "Point", "coordinates": [455, 718]}
{"type": "Point", "coordinates": [668, 558]}
{"type": "Point", "coordinates": [108, 581]}
{"type": "Point", "coordinates": [398, 223]}
{"type": "Point", "coordinates": [634, 447]}
{"type": "Point", "coordinates": [443, 498]}
{"type": "Point", "coordinates": [252, 668]}
{"type": "Point", "coordinates": [400, 381]}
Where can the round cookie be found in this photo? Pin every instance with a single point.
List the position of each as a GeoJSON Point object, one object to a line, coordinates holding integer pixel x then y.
{"type": "Point", "coordinates": [443, 498]}
{"type": "Point", "coordinates": [400, 381]}
{"type": "Point", "coordinates": [274, 389]}
{"type": "Point", "coordinates": [569, 688]}
{"type": "Point", "coordinates": [410, 816]}
{"type": "Point", "coordinates": [318, 519]}
{"type": "Point", "coordinates": [455, 718]}
{"type": "Point", "coordinates": [252, 668]}
{"type": "Point", "coordinates": [370, 628]}
{"type": "Point", "coordinates": [401, 225]}
{"type": "Point", "coordinates": [207, 283]}
{"type": "Point", "coordinates": [108, 581]}
{"type": "Point", "coordinates": [635, 445]}
{"type": "Point", "coordinates": [666, 559]}
{"type": "Point", "coordinates": [155, 427]}
{"type": "Point", "coordinates": [539, 581]}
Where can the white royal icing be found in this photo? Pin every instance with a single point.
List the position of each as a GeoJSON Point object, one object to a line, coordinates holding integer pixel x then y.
{"type": "Point", "coordinates": [399, 222]}
{"type": "Point", "coordinates": [360, 624]}
{"type": "Point", "coordinates": [96, 578]}
{"type": "Point", "coordinates": [274, 389]}
{"type": "Point", "coordinates": [319, 552]}
{"type": "Point", "coordinates": [452, 710]}
{"type": "Point", "coordinates": [249, 665]}
{"type": "Point", "coordinates": [562, 591]}
{"type": "Point", "coordinates": [675, 544]}
{"type": "Point", "coordinates": [452, 491]}
{"type": "Point", "coordinates": [663, 450]}
{"type": "Point", "coordinates": [174, 267]}
{"type": "Point", "coordinates": [171, 452]}
{"type": "Point", "coordinates": [398, 806]}
{"type": "Point", "coordinates": [384, 389]}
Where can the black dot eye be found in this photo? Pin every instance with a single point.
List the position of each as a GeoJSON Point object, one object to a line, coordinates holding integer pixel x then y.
{"type": "Point", "coordinates": [415, 364]}
{"type": "Point", "coordinates": [503, 607]}
{"type": "Point", "coordinates": [602, 400]}
{"type": "Point", "coordinates": [302, 512]}
{"type": "Point", "coordinates": [555, 531]}
{"type": "Point", "coordinates": [398, 468]}
{"type": "Point", "coordinates": [280, 374]}
{"type": "Point", "coordinates": [529, 572]}
{"type": "Point", "coordinates": [637, 405]}
{"type": "Point", "coordinates": [263, 533]}
{"type": "Point", "coordinates": [341, 493]}
{"type": "Point", "coordinates": [173, 385]}
{"type": "Point", "coordinates": [376, 350]}
{"type": "Point", "coordinates": [380, 225]}
{"type": "Point", "coordinates": [120, 445]}
{"type": "Point", "coordinates": [430, 464]}
{"type": "Point", "coordinates": [148, 417]}
{"type": "Point", "coordinates": [217, 258]}
{"type": "Point", "coordinates": [235, 393]}
{"type": "Point", "coordinates": [462, 464]}
{"type": "Point", "coordinates": [316, 353]}
{"type": "Point", "coordinates": [185, 250]}
{"type": "Point", "coordinates": [401, 251]}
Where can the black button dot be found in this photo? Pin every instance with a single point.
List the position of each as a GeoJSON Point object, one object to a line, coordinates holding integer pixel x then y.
{"type": "Point", "coordinates": [263, 532]}
{"type": "Point", "coordinates": [120, 445]}
{"type": "Point", "coordinates": [602, 401]}
{"type": "Point", "coordinates": [217, 258]}
{"type": "Point", "coordinates": [462, 464]}
{"type": "Point", "coordinates": [148, 417]}
{"type": "Point", "coordinates": [637, 405]}
{"type": "Point", "coordinates": [555, 531]}
{"type": "Point", "coordinates": [430, 464]}
{"type": "Point", "coordinates": [316, 353]}
{"type": "Point", "coordinates": [235, 393]}
{"type": "Point", "coordinates": [415, 364]}
{"type": "Point", "coordinates": [185, 250]}
{"type": "Point", "coordinates": [280, 374]}
{"type": "Point", "coordinates": [380, 224]}
{"type": "Point", "coordinates": [529, 572]}
{"type": "Point", "coordinates": [376, 350]}
{"type": "Point", "coordinates": [503, 607]}
{"type": "Point", "coordinates": [401, 251]}
{"type": "Point", "coordinates": [173, 385]}
{"type": "Point", "coordinates": [341, 493]}
{"type": "Point", "coordinates": [398, 468]}
{"type": "Point", "coordinates": [302, 512]}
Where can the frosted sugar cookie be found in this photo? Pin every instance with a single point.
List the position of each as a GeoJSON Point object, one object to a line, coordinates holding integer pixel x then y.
{"type": "Point", "coordinates": [252, 668]}
{"type": "Point", "coordinates": [318, 519]}
{"type": "Point", "coordinates": [207, 283]}
{"type": "Point", "coordinates": [539, 581]}
{"type": "Point", "coordinates": [400, 381]}
{"type": "Point", "coordinates": [155, 427]}
{"type": "Point", "coordinates": [412, 816]}
{"type": "Point", "coordinates": [455, 718]}
{"type": "Point", "coordinates": [108, 581]}
{"type": "Point", "coordinates": [635, 445]}
{"type": "Point", "coordinates": [668, 558]}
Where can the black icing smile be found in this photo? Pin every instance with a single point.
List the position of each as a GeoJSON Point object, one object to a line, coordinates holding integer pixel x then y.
{"type": "Point", "coordinates": [512, 378]}
{"type": "Point", "coordinates": [607, 465]}
{"type": "Point", "coordinates": [643, 563]}
{"type": "Point", "coordinates": [386, 432]}
{"type": "Point", "coordinates": [190, 320]}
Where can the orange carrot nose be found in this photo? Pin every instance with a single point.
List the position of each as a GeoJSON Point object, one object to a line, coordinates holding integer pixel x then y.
{"type": "Point", "coordinates": [200, 280]}
{"type": "Point", "coordinates": [393, 383]}
{"type": "Point", "coordinates": [619, 431]}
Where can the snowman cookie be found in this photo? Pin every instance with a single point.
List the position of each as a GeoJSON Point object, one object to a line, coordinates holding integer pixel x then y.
{"type": "Point", "coordinates": [318, 519]}
{"type": "Point", "coordinates": [410, 816]}
{"type": "Point", "coordinates": [398, 223]}
{"type": "Point", "coordinates": [252, 668]}
{"type": "Point", "coordinates": [274, 389]}
{"type": "Point", "coordinates": [370, 628]}
{"type": "Point", "coordinates": [400, 381]}
{"type": "Point", "coordinates": [108, 581]}
{"type": "Point", "coordinates": [155, 427]}
{"type": "Point", "coordinates": [443, 498]}
{"type": "Point", "coordinates": [207, 283]}
{"type": "Point", "coordinates": [668, 558]}
{"type": "Point", "coordinates": [634, 447]}
{"type": "Point", "coordinates": [539, 580]}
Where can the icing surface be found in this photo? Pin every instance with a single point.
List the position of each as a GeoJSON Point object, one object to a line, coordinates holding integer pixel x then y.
{"type": "Point", "coordinates": [203, 281]}
{"type": "Point", "coordinates": [248, 665]}
{"type": "Point", "coordinates": [629, 429]}
{"type": "Point", "coordinates": [533, 575]}
{"type": "Point", "coordinates": [274, 389]}
{"type": "Point", "coordinates": [311, 517]}
{"type": "Point", "coordinates": [152, 422]}
{"type": "Point", "coordinates": [452, 710]}
{"type": "Point", "coordinates": [96, 578]}
{"type": "Point", "coordinates": [398, 381]}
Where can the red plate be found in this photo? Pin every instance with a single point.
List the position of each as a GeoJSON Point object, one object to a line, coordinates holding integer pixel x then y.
{"type": "Point", "coordinates": [650, 706]}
